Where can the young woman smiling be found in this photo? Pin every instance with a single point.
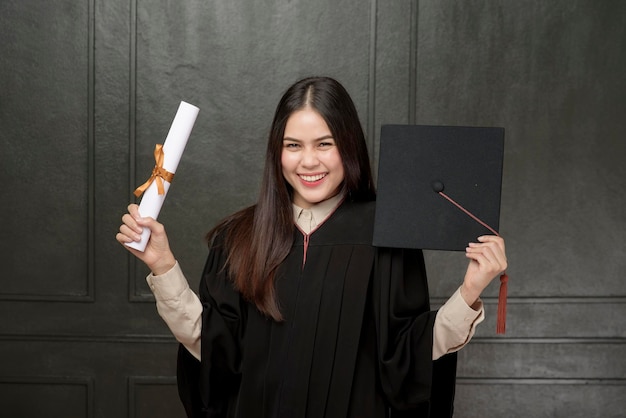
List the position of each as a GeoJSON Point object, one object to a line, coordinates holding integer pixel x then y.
{"type": "Point", "coordinates": [298, 315]}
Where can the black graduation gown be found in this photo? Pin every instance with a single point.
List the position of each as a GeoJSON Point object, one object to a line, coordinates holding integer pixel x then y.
{"type": "Point", "coordinates": [356, 340]}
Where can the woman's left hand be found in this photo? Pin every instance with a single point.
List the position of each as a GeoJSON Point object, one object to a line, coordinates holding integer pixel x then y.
{"type": "Point", "coordinates": [487, 261]}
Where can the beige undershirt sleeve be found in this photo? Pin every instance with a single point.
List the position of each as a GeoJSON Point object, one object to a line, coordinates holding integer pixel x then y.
{"type": "Point", "coordinates": [455, 324]}
{"type": "Point", "coordinates": [179, 307]}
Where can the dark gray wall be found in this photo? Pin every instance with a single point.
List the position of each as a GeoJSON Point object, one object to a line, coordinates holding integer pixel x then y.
{"type": "Point", "coordinates": [87, 88]}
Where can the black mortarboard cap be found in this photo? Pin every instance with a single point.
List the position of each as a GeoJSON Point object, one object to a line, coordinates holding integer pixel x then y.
{"type": "Point", "coordinates": [422, 169]}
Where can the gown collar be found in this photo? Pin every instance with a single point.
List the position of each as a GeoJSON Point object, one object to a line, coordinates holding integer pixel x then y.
{"type": "Point", "coordinates": [309, 219]}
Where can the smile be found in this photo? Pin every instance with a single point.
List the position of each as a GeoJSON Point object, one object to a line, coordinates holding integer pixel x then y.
{"type": "Point", "coordinates": [314, 178]}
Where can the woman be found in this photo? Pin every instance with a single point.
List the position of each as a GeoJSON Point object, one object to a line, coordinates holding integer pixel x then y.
{"type": "Point", "coordinates": [299, 315]}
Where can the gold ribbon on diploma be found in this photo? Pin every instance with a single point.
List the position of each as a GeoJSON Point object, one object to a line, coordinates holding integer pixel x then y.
{"type": "Point", "coordinates": [158, 173]}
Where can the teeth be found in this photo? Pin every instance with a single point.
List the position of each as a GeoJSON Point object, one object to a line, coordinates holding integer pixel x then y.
{"type": "Point", "coordinates": [313, 178]}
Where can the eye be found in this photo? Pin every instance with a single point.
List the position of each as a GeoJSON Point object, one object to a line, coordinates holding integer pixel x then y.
{"type": "Point", "coordinates": [326, 144]}
{"type": "Point", "coordinates": [291, 145]}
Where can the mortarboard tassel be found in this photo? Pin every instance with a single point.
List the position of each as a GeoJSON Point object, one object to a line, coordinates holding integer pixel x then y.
{"type": "Point", "coordinates": [501, 322]}
{"type": "Point", "coordinates": [504, 278]}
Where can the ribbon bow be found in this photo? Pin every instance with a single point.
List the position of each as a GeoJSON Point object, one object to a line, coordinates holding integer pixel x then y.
{"type": "Point", "coordinates": [158, 173]}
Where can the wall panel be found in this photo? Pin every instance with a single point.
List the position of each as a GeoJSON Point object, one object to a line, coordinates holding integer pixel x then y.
{"type": "Point", "coordinates": [46, 142]}
{"type": "Point", "coordinates": [151, 396]}
{"type": "Point", "coordinates": [539, 398]}
{"type": "Point", "coordinates": [574, 359]}
{"type": "Point", "coordinates": [31, 396]}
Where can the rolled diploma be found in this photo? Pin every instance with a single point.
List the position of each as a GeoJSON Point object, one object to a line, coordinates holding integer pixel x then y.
{"type": "Point", "coordinates": [173, 148]}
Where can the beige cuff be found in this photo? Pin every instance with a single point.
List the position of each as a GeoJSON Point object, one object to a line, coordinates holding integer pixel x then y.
{"type": "Point", "coordinates": [455, 324]}
{"type": "Point", "coordinates": [179, 307]}
{"type": "Point", "coordinates": [169, 285]}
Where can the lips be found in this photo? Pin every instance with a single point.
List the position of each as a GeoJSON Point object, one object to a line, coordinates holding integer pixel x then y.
{"type": "Point", "coordinates": [312, 178]}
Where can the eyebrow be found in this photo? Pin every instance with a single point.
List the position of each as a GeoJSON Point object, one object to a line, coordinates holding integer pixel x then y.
{"type": "Point", "coordinates": [321, 138]}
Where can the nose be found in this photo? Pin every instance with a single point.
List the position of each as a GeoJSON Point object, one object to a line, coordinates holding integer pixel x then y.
{"type": "Point", "coordinates": [310, 158]}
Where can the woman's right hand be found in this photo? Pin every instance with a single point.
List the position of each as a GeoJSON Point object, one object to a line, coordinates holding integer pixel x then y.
{"type": "Point", "coordinates": [157, 254]}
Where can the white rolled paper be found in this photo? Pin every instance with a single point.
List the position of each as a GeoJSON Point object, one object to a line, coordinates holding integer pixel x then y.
{"type": "Point", "coordinates": [173, 148]}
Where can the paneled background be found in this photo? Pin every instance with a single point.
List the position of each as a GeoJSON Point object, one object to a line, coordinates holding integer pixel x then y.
{"type": "Point", "coordinates": [88, 87]}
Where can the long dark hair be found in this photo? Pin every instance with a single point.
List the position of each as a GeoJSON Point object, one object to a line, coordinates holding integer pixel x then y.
{"type": "Point", "coordinates": [258, 238]}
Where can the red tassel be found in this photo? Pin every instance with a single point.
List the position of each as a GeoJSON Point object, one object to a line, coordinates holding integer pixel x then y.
{"type": "Point", "coordinates": [501, 321]}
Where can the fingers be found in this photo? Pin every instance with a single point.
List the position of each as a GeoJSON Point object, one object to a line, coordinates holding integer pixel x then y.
{"type": "Point", "coordinates": [489, 252]}
{"type": "Point", "coordinates": [129, 234]}
{"type": "Point", "coordinates": [484, 254]}
{"type": "Point", "coordinates": [499, 241]}
{"type": "Point", "coordinates": [157, 254]}
{"type": "Point", "coordinates": [487, 261]}
{"type": "Point", "coordinates": [130, 230]}
{"type": "Point", "coordinates": [133, 225]}
{"type": "Point", "coordinates": [133, 209]}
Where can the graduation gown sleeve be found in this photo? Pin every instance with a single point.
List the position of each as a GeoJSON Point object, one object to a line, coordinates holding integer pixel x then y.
{"type": "Point", "coordinates": [413, 384]}
{"type": "Point", "coordinates": [207, 388]}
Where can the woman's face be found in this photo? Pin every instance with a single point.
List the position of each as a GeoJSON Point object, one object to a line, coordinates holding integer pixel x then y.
{"type": "Point", "coordinates": [310, 159]}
